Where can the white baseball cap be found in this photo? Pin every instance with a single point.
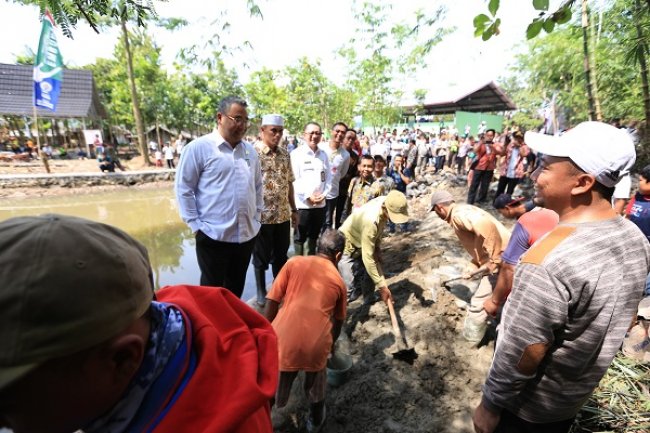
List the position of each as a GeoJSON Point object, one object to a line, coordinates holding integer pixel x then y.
{"type": "Point", "coordinates": [599, 149]}
{"type": "Point", "coordinates": [272, 120]}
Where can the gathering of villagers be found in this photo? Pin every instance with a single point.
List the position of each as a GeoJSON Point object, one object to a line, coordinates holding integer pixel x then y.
{"type": "Point", "coordinates": [90, 344]}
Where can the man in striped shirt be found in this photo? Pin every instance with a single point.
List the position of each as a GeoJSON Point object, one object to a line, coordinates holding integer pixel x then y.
{"type": "Point", "coordinates": [575, 291]}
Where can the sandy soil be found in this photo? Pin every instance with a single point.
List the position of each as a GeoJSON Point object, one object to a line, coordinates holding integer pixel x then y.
{"type": "Point", "coordinates": [440, 390]}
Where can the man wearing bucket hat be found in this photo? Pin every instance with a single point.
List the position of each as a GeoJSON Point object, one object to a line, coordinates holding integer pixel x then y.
{"type": "Point", "coordinates": [484, 238]}
{"type": "Point", "coordinates": [272, 242]}
{"type": "Point", "coordinates": [313, 299]}
{"type": "Point", "coordinates": [360, 264]}
{"type": "Point", "coordinates": [84, 345]}
{"type": "Point", "coordinates": [575, 291]}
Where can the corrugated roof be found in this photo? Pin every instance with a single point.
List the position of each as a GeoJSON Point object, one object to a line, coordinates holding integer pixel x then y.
{"type": "Point", "coordinates": [78, 97]}
{"type": "Point", "coordinates": [485, 98]}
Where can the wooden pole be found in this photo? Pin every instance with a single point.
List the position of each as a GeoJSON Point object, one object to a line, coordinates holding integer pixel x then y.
{"type": "Point", "coordinates": [42, 155]}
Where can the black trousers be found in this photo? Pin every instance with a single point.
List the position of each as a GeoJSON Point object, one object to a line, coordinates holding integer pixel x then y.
{"type": "Point", "coordinates": [478, 190]}
{"type": "Point", "coordinates": [510, 423]}
{"type": "Point", "coordinates": [310, 223]}
{"type": "Point", "coordinates": [223, 264]}
{"type": "Point", "coordinates": [507, 184]}
{"type": "Point", "coordinates": [340, 207]}
{"type": "Point", "coordinates": [271, 246]}
{"type": "Point", "coordinates": [330, 210]}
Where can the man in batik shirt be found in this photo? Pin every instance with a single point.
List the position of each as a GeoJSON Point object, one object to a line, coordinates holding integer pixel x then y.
{"type": "Point", "coordinates": [272, 243]}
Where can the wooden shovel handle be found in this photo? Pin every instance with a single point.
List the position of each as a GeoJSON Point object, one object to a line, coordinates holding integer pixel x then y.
{"type": "Point", "coordinates": [393, 319]}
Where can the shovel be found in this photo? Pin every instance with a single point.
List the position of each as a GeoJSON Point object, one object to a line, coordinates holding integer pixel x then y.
{"type": "Point", "coordinates": [461, 291]}
{"type": "Point", "coordinates": [404, 353]}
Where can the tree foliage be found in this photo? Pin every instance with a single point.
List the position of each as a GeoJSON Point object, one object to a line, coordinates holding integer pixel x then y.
{"type": "Point", "coordinates": [553, 65]}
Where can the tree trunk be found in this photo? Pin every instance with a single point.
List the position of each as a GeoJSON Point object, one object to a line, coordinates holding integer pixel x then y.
{"type": "Point", "coordinates": [643, 64]}
{"type": "Point", "coordinates": [587, 63]}
{"type": "Point", "coordinates": [137, 115]}
{"type": "Point", "coordinates": [594, 74]}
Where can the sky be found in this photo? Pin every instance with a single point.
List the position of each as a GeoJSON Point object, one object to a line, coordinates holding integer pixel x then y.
{"type": "Point", "coordinates": [291, 29]}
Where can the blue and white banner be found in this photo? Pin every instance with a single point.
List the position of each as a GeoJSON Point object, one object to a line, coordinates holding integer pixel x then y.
{"type": "Point", "coordinates": [48, 68]}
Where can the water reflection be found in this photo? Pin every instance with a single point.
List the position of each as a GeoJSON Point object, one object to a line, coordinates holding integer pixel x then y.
{"type": "Point", "coordinates": [151, 216]}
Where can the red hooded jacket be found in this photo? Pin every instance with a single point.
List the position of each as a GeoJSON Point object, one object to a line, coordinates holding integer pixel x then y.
{"type": "Point", "coordinates": [237, 365]}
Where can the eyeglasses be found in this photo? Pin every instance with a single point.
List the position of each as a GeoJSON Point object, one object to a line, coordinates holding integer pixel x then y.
{"type": "Point", "coordinates": [313, 133]}
{"type": "Point", "coordinates": [239, 120]}
{"type": "Point", "coordinates": [340, 131]}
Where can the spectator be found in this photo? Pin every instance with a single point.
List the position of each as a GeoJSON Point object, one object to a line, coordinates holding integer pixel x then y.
{"type": "Point", "coordinates": [272, 242]}
{"type": "Point", "coordinates": [513, 166]}
{"type": "Point", "coordinates": [312, 174]}
{"type": "Point", "coordinates": [575, 291]}
{"type": "Point", "coordinates": [92, 348]}
{"type": "Point", "coordinates": [219, 192]}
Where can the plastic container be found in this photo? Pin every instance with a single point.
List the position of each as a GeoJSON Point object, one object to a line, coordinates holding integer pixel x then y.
{"type": "Point", "coordinates": [337, 368]}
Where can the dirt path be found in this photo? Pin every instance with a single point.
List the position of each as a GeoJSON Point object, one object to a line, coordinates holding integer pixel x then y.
{"type": "Point", "coordinates": [440, 390]}
{"type": "Point", "coordinates": [67, 166]}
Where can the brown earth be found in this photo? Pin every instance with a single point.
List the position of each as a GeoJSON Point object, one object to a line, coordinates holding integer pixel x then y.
{"type": "Point", "coordinates": [439, 392]}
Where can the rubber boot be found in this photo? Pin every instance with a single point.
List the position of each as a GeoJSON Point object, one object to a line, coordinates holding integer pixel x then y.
{"type": "Point", "coordinates": [298, 248]}
{"type": "Point", "coordinates": [316, 417]}
{"type": "Point", "coordinates": [260, 280]}
{"type": "Point", "coordinates": [311, 247]}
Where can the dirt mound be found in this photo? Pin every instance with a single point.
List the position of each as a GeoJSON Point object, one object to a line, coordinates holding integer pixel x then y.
{"type": "Point", "coordinates": [439, 392]}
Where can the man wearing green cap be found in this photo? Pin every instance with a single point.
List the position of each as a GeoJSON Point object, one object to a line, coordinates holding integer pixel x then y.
{"type": "Point", "coordinates": [360, 265]}
{"type": "Point", "coordinates": [86, 345]}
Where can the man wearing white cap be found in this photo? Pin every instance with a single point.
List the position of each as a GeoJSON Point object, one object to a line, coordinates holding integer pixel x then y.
{"type": "Point", "coordinates": [575, 290]}
{"type": "Point", "coordinates": [272, 242]}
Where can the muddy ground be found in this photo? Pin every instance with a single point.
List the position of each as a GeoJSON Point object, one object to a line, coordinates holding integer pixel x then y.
{"type": "Point", "coordinates": [439, 392]}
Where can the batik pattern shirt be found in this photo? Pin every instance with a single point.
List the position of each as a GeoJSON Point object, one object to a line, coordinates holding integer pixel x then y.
{"type": "Point", "coordinates": [276, 178]}
{"type": "Point", "coordinates": [362, 191]}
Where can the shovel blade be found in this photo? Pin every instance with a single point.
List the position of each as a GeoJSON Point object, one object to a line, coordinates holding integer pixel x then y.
{"type": "Point", "coordinates": [461, 292]}
{"type": "Point", "coordinates": [407, 355]}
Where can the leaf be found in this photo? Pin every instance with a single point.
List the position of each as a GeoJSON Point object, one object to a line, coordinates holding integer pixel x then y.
{"type": "Point", "coordinates": [562, 15]}
{"type": "Point", "coordinates": [493, 7]}
{"type": "Point", "coordinates": [479, 31]}
{"type": "Point", "coordinates": [487, 34]}
{"type": "Point", "coordinates": [540, 5]}
{"type": "Point", "coordinates": [533, 29]}
{"type": "Point", "coordinates": [481, 20]}
{"type": "Point", "coordinates": [549, 25]}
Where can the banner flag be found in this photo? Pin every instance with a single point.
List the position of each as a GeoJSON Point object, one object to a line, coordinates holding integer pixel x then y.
{"type": "Point", "coordinates": [48, 68]}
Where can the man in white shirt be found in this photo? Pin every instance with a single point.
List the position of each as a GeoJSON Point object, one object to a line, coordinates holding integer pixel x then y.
{"type": "Point", "coordinates": [339, 161]}
{"type": "Point", "coordinates": [219, 193]}
{"type": "Point", "coordinates": [312, 175]}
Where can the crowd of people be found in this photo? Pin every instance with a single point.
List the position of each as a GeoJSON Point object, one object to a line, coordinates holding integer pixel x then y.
{"type": "Point", "coordinates": [98, 349]}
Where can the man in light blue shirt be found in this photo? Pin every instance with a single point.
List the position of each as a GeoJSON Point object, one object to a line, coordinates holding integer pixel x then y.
{"type": "Point", "coordinates": [219, 193]}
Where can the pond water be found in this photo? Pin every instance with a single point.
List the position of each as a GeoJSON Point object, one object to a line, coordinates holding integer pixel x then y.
{"type": "Point", "coordinates": [150, 216]}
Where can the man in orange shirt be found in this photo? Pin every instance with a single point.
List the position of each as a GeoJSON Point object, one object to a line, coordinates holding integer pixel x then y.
{"type": "Point", "coordinates": [313, 297]}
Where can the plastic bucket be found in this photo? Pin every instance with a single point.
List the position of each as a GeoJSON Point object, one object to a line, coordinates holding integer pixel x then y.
{"type": "Point", "coordinates": [337, 368]}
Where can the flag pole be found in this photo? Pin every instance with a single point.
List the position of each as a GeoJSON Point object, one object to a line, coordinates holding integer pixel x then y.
{"type": "Point", "coordinates": [41, 155]}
